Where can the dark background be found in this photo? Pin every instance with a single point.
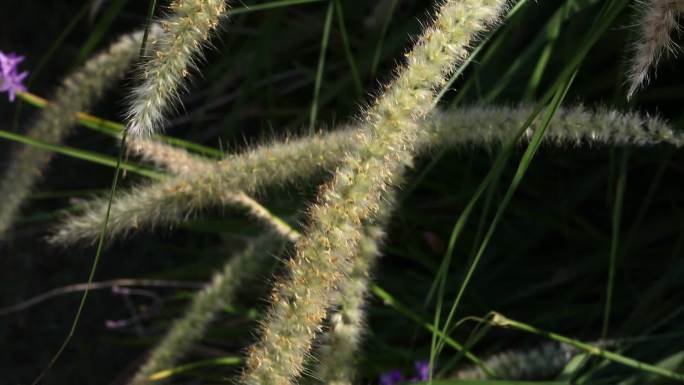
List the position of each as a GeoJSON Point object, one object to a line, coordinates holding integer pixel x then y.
{"type": "Point", "coordinates": [547, 264]}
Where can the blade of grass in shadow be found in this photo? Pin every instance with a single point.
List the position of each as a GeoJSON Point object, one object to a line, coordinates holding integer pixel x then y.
{"type": "Point", "coordinates": [38, 69]}
{"type": "Point", "coordinates": [381, 38]}
{"type": "Point", "coordinates": [101, 29]}
{"type": "Point", "coordinates": [271, 5]}
{"type": "Point", "coordinates": [347, 49]}
{"type": "Point", "coordinates": [321, 65]}
{"type": "Point", "coordinates": [507, 77]}
{"type": "Point", "coordinates": [103, 232]}
{"type": "Point", "coordinates": [615, 239]}
{"type": "Point", "coordinates": [551, 34]}
{"type": "Point", "coordinates": [648, 199]}
{"type": "Point", "coordinates": [475, 336]}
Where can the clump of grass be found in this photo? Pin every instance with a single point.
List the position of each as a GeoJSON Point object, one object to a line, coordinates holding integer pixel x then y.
{"type": "Point", "coordinates": [328, 278]}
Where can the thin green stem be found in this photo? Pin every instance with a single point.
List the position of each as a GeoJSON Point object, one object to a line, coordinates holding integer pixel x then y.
{"type": "Point", "coordinates": [48, 55]}
{"type": "Point", "coordinates": [347, 49]}
{"type": "Point", "coordinates": [271, 5]}
{"type": "Point", "coordinates": [502, 321]}
{"type": "Point", "coordinates": [381, 40]}
{"type": "Point", "coordinates": [515, 183]}
{"type": "Point", "coordinates": [406, 311]}
{"type": "Point", "coordinates": [103, 232]}
{"type": "Point", "coordinates": [93, 267]}
{"type": "Point", "coordinates": [615, 240]}
{"type": "Point", "coordinates": [77, 153]}
{"type": "Point", "coordinates": [150, 13]}
{"type": "Point", "coordinates": [168, 373]}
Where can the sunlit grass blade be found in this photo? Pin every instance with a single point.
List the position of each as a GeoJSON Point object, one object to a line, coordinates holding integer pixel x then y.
{"type": "Point", "coordinates": [497, 319]}
{"type": "Point", "coordinates": [89, 156]}
{"type": "Point", "coordinates": [180, 369]}
{"type": "Point", "coordinates": [391, 301]}
{"type": "Point", "coordinates": [115, 129]}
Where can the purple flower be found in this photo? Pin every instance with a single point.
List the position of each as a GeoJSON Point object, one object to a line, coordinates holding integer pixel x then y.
{"type": "Point", "coordinates": [394, 376]}
{"type": "Point", "coordinates": [10, 79]}
{"type": "Point", "coordinates": [391, 378]}
{"type": "Point", "coordinates": [422, 371]}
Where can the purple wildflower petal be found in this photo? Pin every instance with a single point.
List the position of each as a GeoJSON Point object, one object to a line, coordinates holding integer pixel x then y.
{"type": "Point", "coordinates": [10, 79]}
{"type": "Point", "coordinates": [391, 378]}
{"type": "Point", "coordinates": [422, 370]}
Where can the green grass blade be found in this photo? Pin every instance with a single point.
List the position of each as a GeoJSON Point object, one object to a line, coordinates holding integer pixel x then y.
{"type": "Point", "coordinates": [114, 129]}
{"type": "Point", "coordinates": [168, 373]}
{"type": "Point", "coordinates": [271, 5]}
{"type": "Point", "coordinates": [88, 156]}
{"type": "Point", "coordinates": [615, 239]}
{"type": "Point", "coordinates": [502, 321]}
{"type": "Point", "coordinates": [391, 301]}
{"type": "Point", "coordinates": [377, 54]}
{"type": "Point", "coordinates": [103, 26]}
{"type": "Point", "coordinates": [347, 49]}
{"type": "Point", "coordinates": [103, 232]}
{"type": "Point", "coordinates": [321, 66]}
{"type": "Point", "coordinates": [525, 162]}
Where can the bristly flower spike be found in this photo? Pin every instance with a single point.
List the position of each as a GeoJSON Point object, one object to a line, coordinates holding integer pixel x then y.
{"type": "Point", "coordinates": [11, 81]}
{"type": "Point", "coordinates": [202, 183]}
{"type": "Point", "coordinates": [188, 329]}
{"type": "Point", "coordinates": [186, 30]}
{"type": "Point", "coordinates": [657, 22]}
{"type": "Point", "coordinates": [325, 254]}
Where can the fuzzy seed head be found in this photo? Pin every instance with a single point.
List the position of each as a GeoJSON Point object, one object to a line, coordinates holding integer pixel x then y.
{"type": "Point", "coordinates": [657, 21]}
{"type": "Point", "coordinates": [186, 30]}
{"type": "Point", "coordinates": [325, 254]}
{"type": "Point", "coordinates": [203, 183]}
